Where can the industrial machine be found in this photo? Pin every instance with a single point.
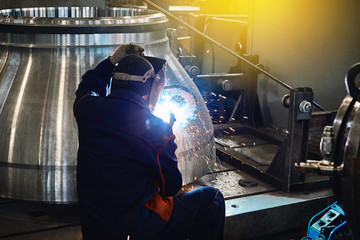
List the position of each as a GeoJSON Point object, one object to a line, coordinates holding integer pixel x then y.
{"type": "Point", "coordinates": [283, 173]}
{"type": "Point", "coordinates": [291, 160]}
{"type": "Point", "coordinates": [340, 148]}
{"type": "Point", "coordinates": [329, 224]}
{"type": "Point", "coordinates": [233, 104]}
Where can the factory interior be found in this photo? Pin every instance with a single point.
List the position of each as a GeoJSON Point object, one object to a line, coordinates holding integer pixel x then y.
{"type": "Point", "coordinates": [266, 96]}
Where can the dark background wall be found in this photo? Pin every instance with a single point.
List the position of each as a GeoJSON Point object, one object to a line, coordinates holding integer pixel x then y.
{"type": "Point", "coordinates": [306, 44]}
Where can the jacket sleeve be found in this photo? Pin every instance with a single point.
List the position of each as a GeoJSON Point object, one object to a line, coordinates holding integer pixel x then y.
{"type": "Point", "coordinates": [171, 179]}
{"type": "Point", "coordinates": [95, 80]}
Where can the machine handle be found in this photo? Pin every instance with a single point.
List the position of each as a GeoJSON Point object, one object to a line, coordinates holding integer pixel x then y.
{"type": "Point", "coordinates": [350, 81]}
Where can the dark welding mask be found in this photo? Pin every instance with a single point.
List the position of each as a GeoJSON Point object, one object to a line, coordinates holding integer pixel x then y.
{"type": "Point", "coordinates": [153, 77]}
{"type": "Point", "coordinates": [158, 83]}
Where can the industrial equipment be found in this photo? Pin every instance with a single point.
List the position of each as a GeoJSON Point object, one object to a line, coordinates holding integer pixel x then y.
{"type": "Point", "coordinates": [329, 224]}
{"type": "Point", "coordinates": [43, 53]}
{"type": "Point", "coordinates": [340, 148]}
{"type": "Point", "coordinates": [264, 173]}
{"type": "Point", "coordinates": [283, 159]}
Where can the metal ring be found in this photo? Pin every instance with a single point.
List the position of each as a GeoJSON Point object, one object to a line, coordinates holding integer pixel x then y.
{"type": "Point", "coordinates": [350, 78]}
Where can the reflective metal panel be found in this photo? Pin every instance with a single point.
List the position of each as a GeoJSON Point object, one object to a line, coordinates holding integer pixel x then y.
{"type": "Point", "coordinates": [43, 53]}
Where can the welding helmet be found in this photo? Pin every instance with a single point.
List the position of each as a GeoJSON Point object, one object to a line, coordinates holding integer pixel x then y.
{"type": "Point", "coordinates": [143, 75]}
{"type": "Point", "coordinates": [158, 82]}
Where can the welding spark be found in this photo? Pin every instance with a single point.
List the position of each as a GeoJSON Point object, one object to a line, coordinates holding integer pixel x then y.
{"type": "Point", "coordinates": [178, 102]}
{"type": "Point", "coordinates": [222, 96]}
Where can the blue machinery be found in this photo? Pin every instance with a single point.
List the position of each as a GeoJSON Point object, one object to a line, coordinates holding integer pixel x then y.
{"type": "Point", "coordinates": [329, 224]}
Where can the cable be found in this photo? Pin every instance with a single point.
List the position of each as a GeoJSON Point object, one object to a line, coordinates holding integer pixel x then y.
{"type": "Point", "coordinates": [169, 14]}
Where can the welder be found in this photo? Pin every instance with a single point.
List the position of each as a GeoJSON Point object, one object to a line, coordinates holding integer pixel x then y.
{"type": "Point", "coordinates": [127, 174]}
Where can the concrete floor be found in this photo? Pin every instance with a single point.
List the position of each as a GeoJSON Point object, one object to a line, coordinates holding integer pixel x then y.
{"type": "Point", "coordinates": [259, 212]}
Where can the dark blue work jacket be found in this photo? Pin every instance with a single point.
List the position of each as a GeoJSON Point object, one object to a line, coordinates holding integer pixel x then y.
{"type": "Point", "coordinates": [125, 152]}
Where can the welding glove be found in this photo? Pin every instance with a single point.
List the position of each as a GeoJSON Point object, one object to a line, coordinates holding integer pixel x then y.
{"type": "Point", "coordinates": [124, 50]}
{"type": "Point", "coordinates": [172, 119]}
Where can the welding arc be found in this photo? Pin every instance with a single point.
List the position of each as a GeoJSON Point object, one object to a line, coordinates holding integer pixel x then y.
{"type": "Point", "coordinates": [169, 14]}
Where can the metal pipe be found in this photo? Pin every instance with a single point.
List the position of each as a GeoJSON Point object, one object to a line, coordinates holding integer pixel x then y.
{"type": "Point", "coordinates": [169, 14]}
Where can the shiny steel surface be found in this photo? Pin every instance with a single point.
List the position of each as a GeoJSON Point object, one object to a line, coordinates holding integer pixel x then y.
{"type": "Point", "coordinates": [350, 184]}
{"type": "Point", "coordinates": [79, 16]}
{"type": "Point", "coordinates": [342, 123]}
{"type": "Point", "coordinates": [347, 153]}
{"type": "Point", "coordinates": [350, 178]}
{"type": "Point", "coordinates": [40, 68]}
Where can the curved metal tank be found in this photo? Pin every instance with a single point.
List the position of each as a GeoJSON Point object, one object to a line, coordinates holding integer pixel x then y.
{"type": "Point", "coordinates": [43, 53]}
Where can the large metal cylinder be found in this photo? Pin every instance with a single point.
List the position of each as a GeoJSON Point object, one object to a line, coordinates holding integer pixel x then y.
{"type": "Point", "coordinates": [43, 53]}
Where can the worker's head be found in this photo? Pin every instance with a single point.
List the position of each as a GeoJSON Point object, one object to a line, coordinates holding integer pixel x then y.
{"type": "Point", "coordinates": [142, 75]}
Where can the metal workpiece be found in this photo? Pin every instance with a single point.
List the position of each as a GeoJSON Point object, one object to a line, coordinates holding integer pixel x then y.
{"type": "Point", "coordinates": [350, 185]}
{"type": "Point", "coordinates": [43, 54]}
{"type": "Point", "coordinates": [350, 178]}
{"type": "Point", "coordinates": [80, 26]}
{"type": "Point", "coordinates": [351, 82]}
{"type": "Point", "coordinates": [69, 20]}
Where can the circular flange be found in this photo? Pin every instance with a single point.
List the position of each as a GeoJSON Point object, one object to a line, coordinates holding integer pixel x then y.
{"type": "Point", "coordinates": [350, 182]}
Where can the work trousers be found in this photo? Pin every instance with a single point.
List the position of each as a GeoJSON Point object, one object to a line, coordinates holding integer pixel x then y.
{"type": "Point", "coordinates": [197, 215]}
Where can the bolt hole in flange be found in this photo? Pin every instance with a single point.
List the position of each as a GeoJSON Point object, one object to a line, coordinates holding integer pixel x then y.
{"type": "Point", "coordinates": [235, 206]}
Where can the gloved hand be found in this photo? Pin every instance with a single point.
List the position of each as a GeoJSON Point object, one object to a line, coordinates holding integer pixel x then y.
{"type": "Point", "coordinates": [172, 119]}
{"type": "Point", "coordinates": [124, 50]}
